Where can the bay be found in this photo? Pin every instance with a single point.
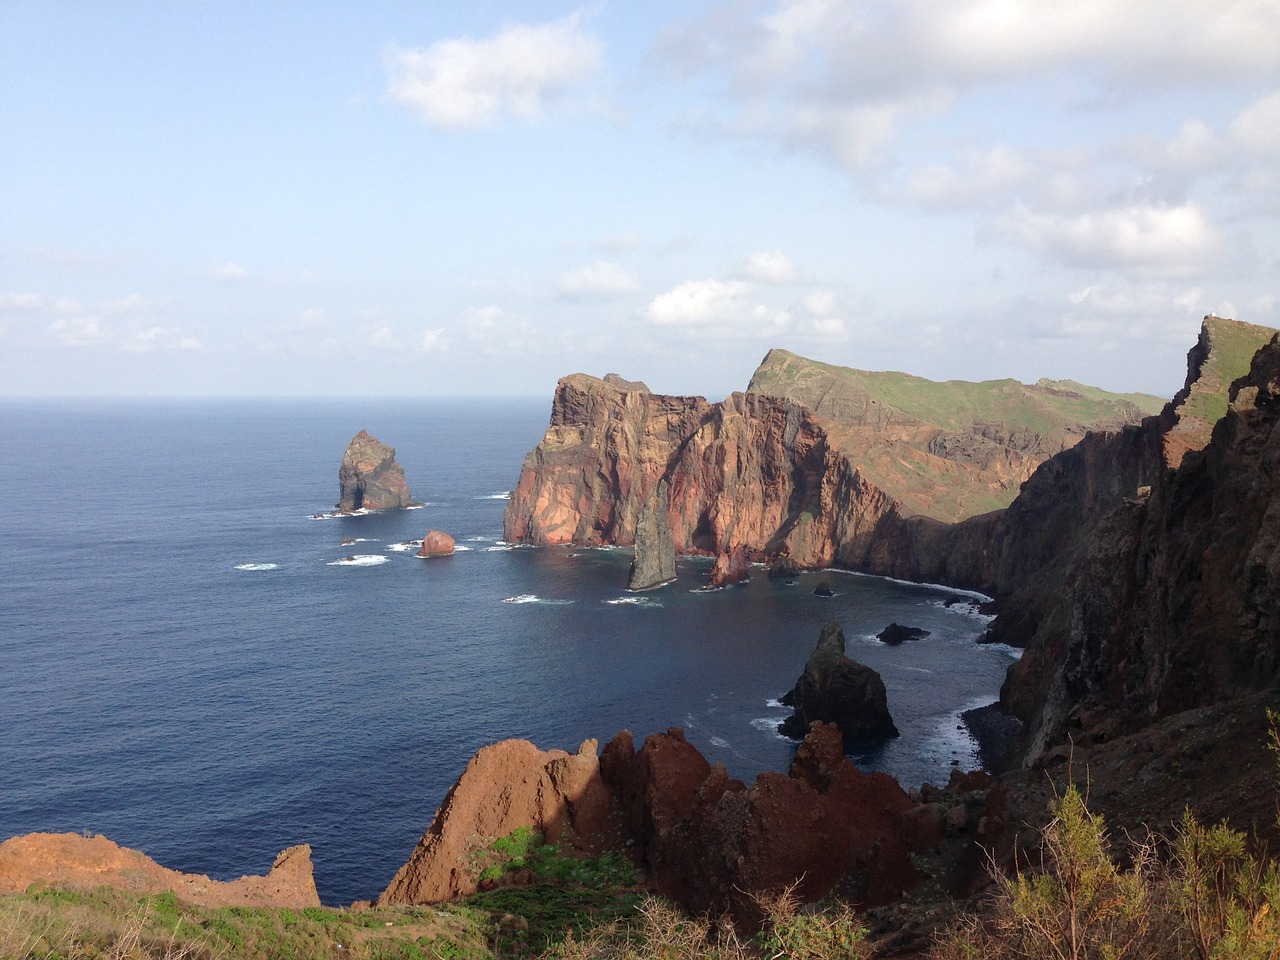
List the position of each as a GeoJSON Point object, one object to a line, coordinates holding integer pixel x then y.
{"type": "Point", "coordinates": [188, 666]}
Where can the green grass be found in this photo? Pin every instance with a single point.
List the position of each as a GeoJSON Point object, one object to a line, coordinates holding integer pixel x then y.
{"type": "Point", "coordinates": [1231, 349]}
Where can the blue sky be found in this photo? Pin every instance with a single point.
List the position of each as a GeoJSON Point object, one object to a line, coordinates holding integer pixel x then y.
{"type": "Point", "coordinates": [431, 198]}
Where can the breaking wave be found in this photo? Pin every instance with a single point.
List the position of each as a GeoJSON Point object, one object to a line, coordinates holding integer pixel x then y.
{"type": "Point", "coordinates": [534, 598]}
{"type": "Point", "coordinates": [361, 560]}
{"type": "Point", "coordinates": [257, 566]}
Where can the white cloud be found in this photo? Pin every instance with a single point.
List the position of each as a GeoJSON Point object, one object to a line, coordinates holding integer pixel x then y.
{"type": "Point", "coordinates": [619, 243]}
{"type": "Point", "coordinates": [82, 331]}
{"type": "Point", "coordinates": [699, 303]}
{"type": "Point", "coordinates": [483, 318]}
{"type": "Point", "coordinates": [1257, 127]}
{"type": "Point", "coordinates": [598, 281]}
{"type": "Point", "coordinates": [22, 302]}
{"type": "Point", "coordinates": [770, 266]}
{"type": "Point", "coordinates": [843, 78]}
{"type": "Point", "coordinates": [465, 84]}
{"type": "Point", "coordinates": [1160, 240]}
{"type": "Point", "coordinates": [228, 272]}
{"type": "Point", "coordinates": [433, 341]}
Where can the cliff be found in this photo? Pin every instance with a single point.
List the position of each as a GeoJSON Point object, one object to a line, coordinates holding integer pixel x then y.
{"type": "Point", "coordinates": [369, 478]}
{"type": "Point", "coordinates": [1163, 595]}
{"type": "Point", "coordinates": [868, 484]}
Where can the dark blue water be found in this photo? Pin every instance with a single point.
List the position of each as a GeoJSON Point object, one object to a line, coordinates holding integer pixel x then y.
{"type": "Point", "coordinates": [154, 690]}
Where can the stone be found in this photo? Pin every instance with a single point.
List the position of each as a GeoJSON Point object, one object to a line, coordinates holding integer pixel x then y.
{"type": "Point", "coordinates": [838, 690]}
{"type": "Point", "coordinates": [896, 633]}
{"type": "Point", "coordinates": [370, 478]}
{"type": "Point", "coordinates": [436, 543]}
{"type": "Point", "coordinates": [732, 566]}
{"type": "Point", "coordinates": [654, 563]}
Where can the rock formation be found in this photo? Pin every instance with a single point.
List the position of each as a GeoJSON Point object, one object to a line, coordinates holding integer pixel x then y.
{"type": "Point", "coordinates": [72, 860]}
{"type": "Point", "coordinates": [437, 543]}
{"type": "Point", "coordinates": [700, 836]}
{"type": "Point", "coordinates": [507, 785]}
{"type": "Point", "coordinates": [731, 566]}
{"type": "Point", "coordinates": [895, 634]}
{"type": "Point", "coordinates": [369, 477]}
{"type": "Point", "coordinates": [655, 552]}
{"type": "Point", "coordinates": [1168, 599]}
{"type": "Point", "coordinates": [767, 474]}
{"type": "Point", "coordinates": [835, 689]}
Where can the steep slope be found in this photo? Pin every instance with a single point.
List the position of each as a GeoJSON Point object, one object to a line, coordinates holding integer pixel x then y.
{"type": "Point", "coordinates": [946, 450]}
{"type": "Point", "coordinates": [1148, 560]}
{"type": "Point", "coordinates": [767, 474]}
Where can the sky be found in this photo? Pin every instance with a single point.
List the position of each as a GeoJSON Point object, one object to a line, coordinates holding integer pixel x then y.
{"type": "Point", "coordinates": [430, 198]}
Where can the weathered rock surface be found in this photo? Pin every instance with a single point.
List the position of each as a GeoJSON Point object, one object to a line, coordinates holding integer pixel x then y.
{"type": "Point", "coordinates": [767, 474]}
{"type": "Point", "coordinates": [72, 860]}
{"type": "Point", "coordinates": [1149, 582]}
{"type": "Point", "coordinates": [437, 543]}
{"type": "Point", "coordinates": [834, 689]}
{"type": "Point", "coordinates": [654, 563]}
{"type": "Point", "coordinates": [710, 841]}
{"type": "Point", "coordinates": [369, 477]}
{"type": "Point", "coordinates": [700, 836]}
{"type": "Point", "coordinates": [895, 634]}
{"type": "Point", "coordinates": [507, 785]}
{"type": "Point", "coordinates": [731, 566]}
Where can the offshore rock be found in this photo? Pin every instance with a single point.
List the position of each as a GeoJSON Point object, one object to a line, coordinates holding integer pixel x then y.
{"type": "Point", "coordinates": [835, 689]}
{"type": "Point", "coordinates": [655, 552]}
{"type": "Point", "coordinates": [506, 785]}
{"type": "Point", "coordinates": [895, 634]}
{"type": "Point", "coordinates": [437, 543]}
{"type": "Point", "coordinates": [369, 477]}
{"type": "Point", "coordinates": [72, 860]}
{"type": "Point", "coordinates": [732, 566]}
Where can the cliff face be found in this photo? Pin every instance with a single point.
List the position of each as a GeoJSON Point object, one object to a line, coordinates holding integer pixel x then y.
{"type": "Point", "coordinates": [754, 472]}
{"type": "Point", "coordinates": [369, 477]}
{"type": "Point", "coordinates": [823, 469]}
{"type": "Point", "coordinates": [1150, 583]}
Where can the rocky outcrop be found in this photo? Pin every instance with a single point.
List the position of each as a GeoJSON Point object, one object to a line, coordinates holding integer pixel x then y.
{"type": "Point", "coordinates": [1163, 593]}
{"type": "Point", "coordinates": [507, 785]}
{"type": "Point", "coordinates": [72, 860]}
{"type": "Point", "coordinates": [895, 634]}
{"type": "Point", "coordinates": [834, 689]}
{"type": "Point", "coordinates": [711, 842]}
{"type": "Point", "coordinates": [701, 837]}
{"type": "Point", "coordinates": [437, 543]}
{"type": "Point", "coordinates": [731, 566]}
{"type": "Point", "coordinates": [763, 472]}
{"type": "Point", "coordinates": [654, 563]}
{"type": "Point", "coordinates": [369, 477]}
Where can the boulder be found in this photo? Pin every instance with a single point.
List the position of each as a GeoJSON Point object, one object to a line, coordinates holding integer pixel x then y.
{"type": "Point", "coordinates": [731, 566]}
{"type": "Point", "coordinates": [369, 477]}
{"type": "Point", "coordinates": [837, 690]}
{"type": "Point", "coordinates": [655, 552]}
{"type": "Point", "coordinates": [72, 860]}
{"type": "Point", "coordinates": [436, 543]}
{"type": "Point", "coordinates": [896, 633]}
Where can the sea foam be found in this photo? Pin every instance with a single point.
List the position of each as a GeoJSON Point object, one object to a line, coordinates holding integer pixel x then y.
{"type": "Point", "coordinates": [360, 560]}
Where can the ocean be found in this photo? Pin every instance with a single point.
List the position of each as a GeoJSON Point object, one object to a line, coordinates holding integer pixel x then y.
{"type": "Point", "coordinates": [194, 666]}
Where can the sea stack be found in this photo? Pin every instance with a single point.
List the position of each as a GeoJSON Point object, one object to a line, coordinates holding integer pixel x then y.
{"type": "Point", "coordinates": [655, 557]}
{"type": "Point", "coordinates": [838, 690]}
{"type": "Point", "coordinates": [437, 543]}
{"type": "Point", "coordinates": [370, 478]}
